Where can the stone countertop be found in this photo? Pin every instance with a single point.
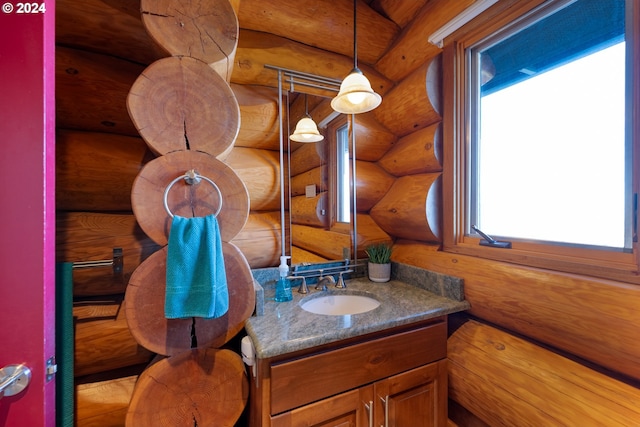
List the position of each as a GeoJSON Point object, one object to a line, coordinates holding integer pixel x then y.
{"type": "Point", "coordinates": [285, 327]}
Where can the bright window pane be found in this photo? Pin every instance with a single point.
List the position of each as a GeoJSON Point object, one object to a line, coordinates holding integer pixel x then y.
{"type": "Point", "coordinates": [344, 195]}
{"type": "Point", "coordinates": [550, 153]}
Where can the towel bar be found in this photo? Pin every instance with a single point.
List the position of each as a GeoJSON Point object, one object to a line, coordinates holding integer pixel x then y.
{"type": "Point", "coordinates": [117, 262]}
{"type": "Point", "coordinates": [191, 177]}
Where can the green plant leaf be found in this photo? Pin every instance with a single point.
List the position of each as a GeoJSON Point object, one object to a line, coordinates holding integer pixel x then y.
{"type": "Point", "coordinates": [379, 253]}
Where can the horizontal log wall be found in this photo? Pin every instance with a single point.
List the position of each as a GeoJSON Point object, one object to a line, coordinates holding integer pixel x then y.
{"type": "Point", "coordinates": [104, 403]}
{"type": "Point", "coordinates": [256, 49]}
{"type": "Point", "coordinates": [593, 319]}
{"type": "Point", "coordinates": [506, 380]}
{"type": "Point", "coordinates": [415, 101]}
{"type": "Point", "coordinates": [411, 48]}
{"type": "Point", "coordinates": [308, 25]}
{"type": "Point", "coordinates": [105, 345]}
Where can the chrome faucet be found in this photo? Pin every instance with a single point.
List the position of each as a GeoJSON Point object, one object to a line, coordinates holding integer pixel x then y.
{"type": "Point", "coordinates": [322, 282]}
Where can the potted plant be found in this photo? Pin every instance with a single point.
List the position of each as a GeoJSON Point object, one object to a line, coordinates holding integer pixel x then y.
{"type": "Point", "coordinates": [379, 266]}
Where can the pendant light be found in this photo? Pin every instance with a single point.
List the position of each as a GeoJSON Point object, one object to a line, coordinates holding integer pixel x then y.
{"type": "Point", "coordinates": [306, 129]}
{"type": "Point", "coordinates": [356, 95]}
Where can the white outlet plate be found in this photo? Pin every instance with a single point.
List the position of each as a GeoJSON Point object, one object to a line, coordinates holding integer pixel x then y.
{"type": "Point", "coordinates": [310, 190]}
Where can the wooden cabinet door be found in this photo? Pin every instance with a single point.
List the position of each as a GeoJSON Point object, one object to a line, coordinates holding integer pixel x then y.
{"type": "Point", "coordinates": [350, 409]}
{"type": "Point", "coordinates": [416, 398]}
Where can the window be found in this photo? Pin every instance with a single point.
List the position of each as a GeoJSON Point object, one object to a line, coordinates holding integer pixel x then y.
{"type": "Point", "coordinates": [544, 141]}
{"type": "Point", "coordinates": [338, 137]}
{"type": "Point", "coordinates": [343, 193]}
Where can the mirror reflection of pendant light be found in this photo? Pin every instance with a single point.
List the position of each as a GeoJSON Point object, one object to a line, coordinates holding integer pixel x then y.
{"type": "Point", "coordinates": [356, 95]}
{"type": "Point", "coordinates": [306, 129]}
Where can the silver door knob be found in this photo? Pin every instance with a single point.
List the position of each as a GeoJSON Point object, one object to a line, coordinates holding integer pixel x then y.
{"type": "Point", "coordinates": [14, 379]}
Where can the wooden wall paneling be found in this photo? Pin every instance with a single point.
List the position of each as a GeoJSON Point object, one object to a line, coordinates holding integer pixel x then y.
{"type": "Point", "coordinates": [325, 243]}
{"type": "Point", "coordinates": [105, 27]}
{"type": "Point", "coordinates": [255, 49]}
{"type": "Point", "coordinates": [97, 308]}
{"type": "Point", "coordinates": [372, 183]}
{"type": "Point", "coordinates": [89, 236]}
{"type": "Point", "coordinates": [417, 152]}
{"type": "Point", "coordinates": [205, 31]}
{"type": "Point", "coordinates": [505, 380]}
{"type": "Point", "coordinates": [95, 171]}
{"type": "Point", "coordinates": [307, 157]}
{"type": "Point", "coordinates": [104, 403]}
{"type": "Point", "coordinates": [411, 208]}
{"type": "Point", "coordinates": [91, 91]}
{"type": "Point", "coordinates": [310, 210]}
{"type": "Point", "coordinates": [370, 233]}
{"type": "Point", "coordinates": [105, 345]}
{"type": "Point", "coordinates": [325, 24]}
{"type": "Point", "coordinates": [593, 319]}
{"type": "Point", "coordinates": [329, 244]}
{"type": "Point", "coordinates": [129, 7]}
{"type": "Point", "coordinates": [316, 176]}
{"type": "Point", "coordinates": [259, 170]}
{"type": "Point", "coordinates": [373, 140]}
{"type": "Point", "coordinates": [259, 126]}
{"type": "Point", "coordinates": [301, 255]}
{"type": "Point", "coordinates": [399, 11]}
{"type": "Point", "coordinates": [260, 239]}
{"type": "Point", "coordinates": [412, 46]}
{"type": "Point", "coordinates": [415, 102]}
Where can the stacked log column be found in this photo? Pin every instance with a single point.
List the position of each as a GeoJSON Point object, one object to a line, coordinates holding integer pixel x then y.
{"type": "Point", "coordinates": [186, 112]}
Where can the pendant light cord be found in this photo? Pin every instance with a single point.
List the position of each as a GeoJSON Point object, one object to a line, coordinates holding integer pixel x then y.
{"type": "Point", "coordinates": [355, 35]}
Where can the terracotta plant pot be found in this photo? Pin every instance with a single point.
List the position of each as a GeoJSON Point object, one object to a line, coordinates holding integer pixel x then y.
{"type": "Point", "coordinates": [379, 272]}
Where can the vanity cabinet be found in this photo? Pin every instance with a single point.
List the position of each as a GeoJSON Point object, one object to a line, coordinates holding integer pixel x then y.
{"type": "Point", "coordinates": [396, 377]}
{"type": "Point", "coordinates": [416, 398]}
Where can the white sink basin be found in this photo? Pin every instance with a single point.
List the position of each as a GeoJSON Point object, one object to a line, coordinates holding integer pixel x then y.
{"type": "Point", "coordinates": [339, 305]}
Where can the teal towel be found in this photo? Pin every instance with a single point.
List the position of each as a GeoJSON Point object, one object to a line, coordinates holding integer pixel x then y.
{"type": "Point", "coordinates": [196, 279]}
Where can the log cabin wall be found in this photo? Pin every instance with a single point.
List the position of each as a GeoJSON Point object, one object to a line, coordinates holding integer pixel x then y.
{"type": "Point", "coordinates": [102, 48]}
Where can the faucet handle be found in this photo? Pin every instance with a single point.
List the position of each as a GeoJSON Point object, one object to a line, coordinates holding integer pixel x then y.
{"type": "Point", "coordinates": [303, 289]}
{"type": "Point", "coordinates": [341, 284]}
{"type": "Point", "coordinates": [319, 285]}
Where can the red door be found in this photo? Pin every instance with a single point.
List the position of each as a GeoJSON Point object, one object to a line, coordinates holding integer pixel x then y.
{"type": "Point", "coordinates": [27, 207]}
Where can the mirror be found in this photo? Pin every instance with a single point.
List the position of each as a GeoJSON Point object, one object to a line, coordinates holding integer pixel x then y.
{"type": "Point", "coordinates": [311, 231]}
{"type": "Point", "coordinates": [320, 205]}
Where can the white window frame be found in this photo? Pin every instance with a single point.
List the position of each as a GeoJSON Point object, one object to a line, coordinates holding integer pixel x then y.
{"type": "Point", "coordinates": [618, 265]}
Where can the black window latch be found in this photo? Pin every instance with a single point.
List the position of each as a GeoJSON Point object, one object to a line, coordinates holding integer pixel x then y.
{"type": "Point", "coordinates": [489, 241]}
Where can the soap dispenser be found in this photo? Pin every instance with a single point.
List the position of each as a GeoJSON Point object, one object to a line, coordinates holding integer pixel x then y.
{"type": "Point", "coordinates": [283, 286]}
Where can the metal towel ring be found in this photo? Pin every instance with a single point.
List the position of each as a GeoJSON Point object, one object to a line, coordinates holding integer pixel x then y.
{"type": "Point", "coordinates": [191, 177]}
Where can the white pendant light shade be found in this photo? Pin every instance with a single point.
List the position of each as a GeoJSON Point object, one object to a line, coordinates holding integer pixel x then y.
{"type": "Point", "coordinates": [306, 131]}
{"type": "Point", "coordinates": [356, 95]}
